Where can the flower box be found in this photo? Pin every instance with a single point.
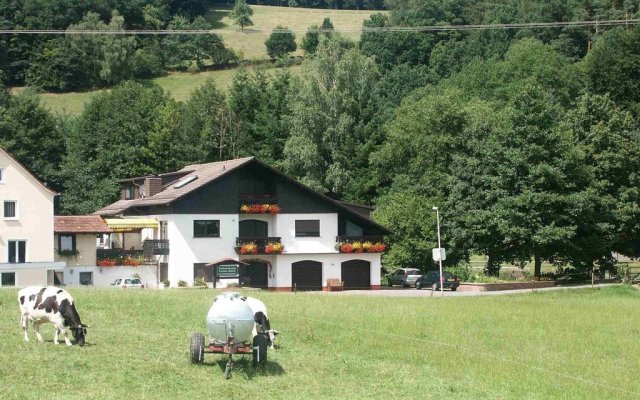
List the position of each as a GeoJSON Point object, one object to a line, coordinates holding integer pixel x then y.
{"type": "Point", "coordinates": [361, 247]}
{"type": "Point", "coordinates": [259, 209]}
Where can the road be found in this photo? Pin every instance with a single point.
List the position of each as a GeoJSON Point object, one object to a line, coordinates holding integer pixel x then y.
{"type": "Point", "coordinates": [412, 292]}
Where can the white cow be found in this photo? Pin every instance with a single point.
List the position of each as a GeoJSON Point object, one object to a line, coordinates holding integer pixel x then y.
{"type": "Point", "coordinates": [262, 324]}
{"type": "Point", "coordinates": [50, 304]}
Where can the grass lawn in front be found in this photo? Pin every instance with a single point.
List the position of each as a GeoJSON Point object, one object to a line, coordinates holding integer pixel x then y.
{"type": "Point", "coordinates": [563, 344]}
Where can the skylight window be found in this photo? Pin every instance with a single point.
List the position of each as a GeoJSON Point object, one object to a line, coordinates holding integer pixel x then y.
{"type": "Point", "coordinates": [184, 181]}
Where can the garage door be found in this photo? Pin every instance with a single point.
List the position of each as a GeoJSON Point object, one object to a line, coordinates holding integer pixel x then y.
{"type": "Point", "coordinates": [306, 275]}
{"type": "Point", "coordinates": [356, 274]}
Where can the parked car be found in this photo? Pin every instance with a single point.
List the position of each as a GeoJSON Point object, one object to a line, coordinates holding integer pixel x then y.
{"type": "Point", "coordinates": [128, 283]}
{"type": "Point", "coordinates": [404, 276]}
{"type": "Point", "coordinates": [432, 280]}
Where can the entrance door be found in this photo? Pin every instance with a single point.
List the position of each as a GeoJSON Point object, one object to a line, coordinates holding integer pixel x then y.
{"type": "Point", "coordinates": [356, 274]}
{"type": "Point", "coordinates": [255, 274]}
{"type": "Point", "coordinates": [306, 275]}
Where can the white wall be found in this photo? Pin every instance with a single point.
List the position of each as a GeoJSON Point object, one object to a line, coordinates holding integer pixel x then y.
{"type": "Point", "coordinates": [106, 275]}
{"type": "Point", "coordinates": [286, 229]}
{"type": "Point", "coordinates": [86, 247]}
{"type": "Point", "coordinates": [331, 266]}
{"type": "Point", "coordinates": [31, 273]}
{"type": "Point", "coordinates": [35, 213]}
{"type": "Point", "coordinates": [185, 250]}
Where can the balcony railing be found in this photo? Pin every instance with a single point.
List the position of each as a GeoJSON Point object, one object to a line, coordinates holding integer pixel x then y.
{"type": "Point", "coordinates": [258, 199]}
{"type": "Point", "coordinates": [116, 254]}
{"type": "Point", "coordinates": [155, 247]}
{"type": "Point", "coordinates": [258, 245]}
{"type": "Point", "coordinates": [360, 244]}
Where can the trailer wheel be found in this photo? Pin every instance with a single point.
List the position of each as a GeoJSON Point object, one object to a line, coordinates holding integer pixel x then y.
{"type": "Point", "coordinates": [260, 345]}
{"type": "Point", "coordinates": [197, 348]}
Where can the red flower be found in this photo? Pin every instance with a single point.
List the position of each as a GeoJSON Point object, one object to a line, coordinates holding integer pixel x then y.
{"type": "Point", "coordinates": [346, 248]}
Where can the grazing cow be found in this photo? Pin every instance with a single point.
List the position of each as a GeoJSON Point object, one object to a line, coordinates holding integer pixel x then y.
{"type": "Point", "coordinates": [50, 304]}
{"type": "Point", "coordinates": [262, 324]}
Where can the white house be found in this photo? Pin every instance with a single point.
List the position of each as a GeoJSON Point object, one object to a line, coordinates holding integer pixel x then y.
{"type": "Point", "coordinates": [26, 227]}
{"type": "Point", "coordinates": [284, 235]}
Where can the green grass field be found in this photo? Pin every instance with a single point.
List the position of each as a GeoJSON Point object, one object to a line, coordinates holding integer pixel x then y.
{"type": "Point", "coordinates": [179, 84]}
{"type": "Point", "coordinates": [250, 41]}
{"type": "Point", "coordinates": [564, 344]}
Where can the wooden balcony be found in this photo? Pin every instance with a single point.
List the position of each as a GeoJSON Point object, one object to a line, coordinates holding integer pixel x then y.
{"type": "Point", "coordinates": [155, 247]}
{"type": "Point", "coordinates": [258, 245]}
{"type": "Point", "coordinates": [258, 199]}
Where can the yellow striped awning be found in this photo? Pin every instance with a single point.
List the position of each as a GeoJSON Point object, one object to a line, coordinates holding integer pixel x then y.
{"type": "Point", "coordinates": [130, 224]}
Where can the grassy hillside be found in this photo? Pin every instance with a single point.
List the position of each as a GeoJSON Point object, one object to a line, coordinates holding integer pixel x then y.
{"type": "Point", "coordinates": [179, 84]}
{"type": "Point", "coordinates": [574, 344]}
{"type": "Point", "coordinates": [250, 43]}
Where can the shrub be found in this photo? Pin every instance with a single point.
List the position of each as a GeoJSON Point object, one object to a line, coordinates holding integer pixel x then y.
{"type": "Point", "coordinates": [166, 283]}
{"type": "Point", "coordinates": [200, 282]}
{"type": "Point", "coordinates": [182, 283]}
{"type": "Point", "coordinates": [462, 270]}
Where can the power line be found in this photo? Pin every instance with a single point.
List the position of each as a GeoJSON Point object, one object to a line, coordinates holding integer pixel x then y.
{"type": "Point", "coordinates": [430, 28]}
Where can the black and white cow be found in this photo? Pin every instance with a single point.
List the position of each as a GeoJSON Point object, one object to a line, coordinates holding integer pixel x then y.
{"type": "Point", "coordinates": [50, 304]}
{"type": "Point", "coordinates": [262, 324]}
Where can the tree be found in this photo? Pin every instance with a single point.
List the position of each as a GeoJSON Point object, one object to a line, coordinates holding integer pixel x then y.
{"type": "Point", "coordinates": [613, 66]}
{"type": "Point", "coordinates": [330, 141]}
{"type": "Point", "coordinates": [109, 141]}
{"type": "Point", "coordinates": [310, 40]}
{"type": "Point", "coordinates": [281, 42]}
{"type": "Point", "coordinates": [33, 136]}
{"type": "Point", "coordinates": [241, 13]}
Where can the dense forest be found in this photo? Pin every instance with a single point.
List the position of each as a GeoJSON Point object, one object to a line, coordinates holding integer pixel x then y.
{"type": "Point", "coordinates": [527, 139]}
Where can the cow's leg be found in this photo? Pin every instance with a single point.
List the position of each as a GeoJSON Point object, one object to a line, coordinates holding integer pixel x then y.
{"type": "Point", "coordinates": [36, 327]}
{"type": "Point", "coordinates": [65, 335]}
{"type": "Point", "coordinates": [55, 337]}
{"type": "Point", "coordinates": [24, 323]}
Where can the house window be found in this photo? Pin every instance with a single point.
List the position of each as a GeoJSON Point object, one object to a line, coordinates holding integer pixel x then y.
{"type": "Point", "coordinates": [206, 228]}
{"type": "Point", "coordinates": [128, 192]}
{"type": "Point", "coordinates": [67, 242]}
{"type": "Point", "coordinates": [1, 175]}
{"type": "Point", "coordinates": [308, 228]}
{"type": "Point", "coordinates": [86, 278]}
{"type": "Point", "coordinates": [8, 279]}
{"type": "Point", "coordinates": [17, 251]}
{"type": "Point", "coordinates": [11, 209]}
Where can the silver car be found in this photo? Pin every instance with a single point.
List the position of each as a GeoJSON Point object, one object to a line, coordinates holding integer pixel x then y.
{"type": "Point", "coordinates": [128, 283]}
{"type": "Point", "coordinates": [404, 276]}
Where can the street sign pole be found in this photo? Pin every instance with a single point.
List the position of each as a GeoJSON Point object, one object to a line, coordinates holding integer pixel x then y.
{"type": "Point", "coordinates": [440, 250]}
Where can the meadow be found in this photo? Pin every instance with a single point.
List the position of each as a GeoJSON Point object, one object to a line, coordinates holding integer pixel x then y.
{"type": "Point", "coordinates": [249, 42]}
{"type": "Point", "coordinates": [564, 344]}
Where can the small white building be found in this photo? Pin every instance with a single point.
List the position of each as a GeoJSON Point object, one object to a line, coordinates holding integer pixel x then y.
{"type": "Point", "coordinates": [288, 236]}
{"type": "Point", "coordinates": [26, 227]}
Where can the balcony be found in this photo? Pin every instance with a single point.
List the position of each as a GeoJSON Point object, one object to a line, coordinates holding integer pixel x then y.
{"type": "Point", "coordinates": [156, 247]}
{"type": "Point", "coordinates": [258, 204]}
{"type": "Point", "coordinates": [360, 244]}
{"type": "Point", "coordinates": [258, 245]}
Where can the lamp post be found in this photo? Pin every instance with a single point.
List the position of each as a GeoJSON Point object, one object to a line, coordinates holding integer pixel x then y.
{"type": "Point", "coordinates": [439, 249]}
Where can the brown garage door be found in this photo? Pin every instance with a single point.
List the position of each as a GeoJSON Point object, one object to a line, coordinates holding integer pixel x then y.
{"type": "Point", "coordinates": [356, 274]}
{"type": "Point", "coordinates": [306, 275]}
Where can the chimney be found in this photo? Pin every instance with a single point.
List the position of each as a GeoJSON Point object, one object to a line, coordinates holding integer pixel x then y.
{"type": "Point", "coordinates": [152, 186]}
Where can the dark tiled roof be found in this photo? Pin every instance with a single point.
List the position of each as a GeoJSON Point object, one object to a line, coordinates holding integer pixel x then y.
{"type": "Point", "coordinates": [205, 174]}
{"type": "Point", "coordinates": [80, 224]}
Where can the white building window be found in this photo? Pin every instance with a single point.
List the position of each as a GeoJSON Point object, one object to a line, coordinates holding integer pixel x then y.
{"type": "Point", "coordinates": [17, 250]}
{"type": "Point", "coordinates": [7, 279]}
{"type": "Point", "coordinates": [1, 175]}
{"type": "Point", "coordinates": [10, 209]}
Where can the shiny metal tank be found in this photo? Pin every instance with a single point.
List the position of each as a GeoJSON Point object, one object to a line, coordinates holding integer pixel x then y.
{"type": "Point", "coordinates": [230, 316]}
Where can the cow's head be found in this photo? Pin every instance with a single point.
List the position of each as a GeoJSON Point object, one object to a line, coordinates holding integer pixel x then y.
{"type": "Point", "coordinates": [79, 332]}
{"type": "Point", "coordinates": [271, 335]}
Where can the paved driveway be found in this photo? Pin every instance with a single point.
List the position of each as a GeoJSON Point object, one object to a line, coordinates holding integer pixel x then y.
{"type": "Point", "coordinates": [412, 292]}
